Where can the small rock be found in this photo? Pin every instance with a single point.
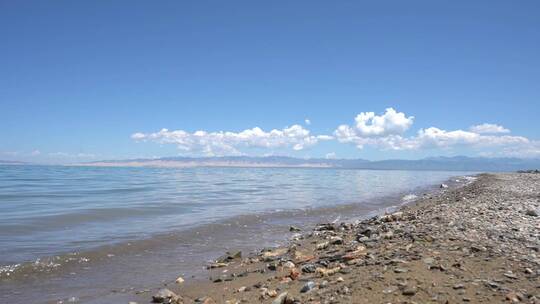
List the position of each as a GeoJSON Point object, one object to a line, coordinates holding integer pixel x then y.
{"type": "Point", "coordinates": [400, 270]}
{"type": "Point", "coordinates": [208, 300]}
{"type": "Point", "coordinates": [396, 216]}
{"type": "Point", "coordinates": [322, 245]}
{"type": "Point", "coordinates": [409, 291]}
{"type": "Point", "coordinates": [532, 212]}
{"type": "Point", "coordinates": [309, 268]}
{"type": "Point", "coordinates": [359, 252]}
{"type": "Point", "coordinates": [444, 186]}
{"type": "Point", "coordinates": [336, 240]}
{"type": "Point", "coordinates": [294, 274]}
{"type": "Point", "coordinates": [429, 261]}
{"type": "Point", "coordinates": [459, 286]}
{"type": "Point", "coordinates": [327, 271]}
{"type": "Point", "coordinates": [229, 256]}
{"type": "Point", "coordinates": [217, 265]}
{"type": "Point", "coordinates": [294, 229]}
{"type": "Point", "coordinates": [510, 275]}
{"type": "Point", "coordinates": [275, 253]}
{"type": "Point", "coordinates": [390, 289]}
{"type": "Point", "coordinates": [308, 287]}
{"type": "Point", "coordinates": [272, 266]}
{"type": "Point", "coordinates": [281, 299]}
{"type": "Point", "coordinates": [165, 296]}
{"type": "Point", "coordinates": [367, 232]}
{"type": "Point", "coordinates": [512, 297]}
{"type": "Point", "coordinates": [326, 227]}
{"type": "Point", "coordinates": [476, 248]}
{"type": "Point", "coordinates": [289, 264]}
{"type": "Point", "coordinates": [180, 280]}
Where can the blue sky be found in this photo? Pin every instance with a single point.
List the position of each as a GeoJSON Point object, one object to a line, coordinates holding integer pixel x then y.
{"type": "Point", "coordinates": [88, 80]}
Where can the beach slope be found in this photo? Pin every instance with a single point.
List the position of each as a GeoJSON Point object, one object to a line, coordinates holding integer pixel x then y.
{"type": "Point", "coordinates": [477, 243]}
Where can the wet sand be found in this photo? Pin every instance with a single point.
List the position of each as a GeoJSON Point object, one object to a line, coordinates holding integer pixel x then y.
{"type": "Point", "coordinates": [478, 243]}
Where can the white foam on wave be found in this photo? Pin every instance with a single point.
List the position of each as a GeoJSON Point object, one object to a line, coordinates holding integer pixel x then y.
{"type": "Point", "coordinates": [8, 269]}
{"type": "Point", "coordinates": [409, 197]}
{"type": "Point", "coordinates": [469, 179]}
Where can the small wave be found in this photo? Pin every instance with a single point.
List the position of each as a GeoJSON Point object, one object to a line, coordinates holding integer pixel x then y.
{"type": "Point", "coordinates": [8, 269]}
{"type": "Point", "coordinates": [41, 265]}
{"type": "Point", "coordinates": [465, 179]}
{"type": "Point", "coordinates": [408, 198]}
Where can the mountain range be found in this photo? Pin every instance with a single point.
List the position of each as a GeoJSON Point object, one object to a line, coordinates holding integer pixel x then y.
{"type": "Point", "coordinates": [457, 163]}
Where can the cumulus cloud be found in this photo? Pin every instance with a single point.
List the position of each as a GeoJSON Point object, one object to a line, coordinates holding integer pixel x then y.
{"type": "Point", "coordinates": [386, 132]}
{"type": "Point", "coordinates": [230, 143]}
{"type": "Point", "coordinates": [307, 121]}
{"type": "Point", "coordinates": [383, 130]}
{"type": "Point", "coordinates": [389, 123]}
{"type": "Point", "coordinates": [487, 128]}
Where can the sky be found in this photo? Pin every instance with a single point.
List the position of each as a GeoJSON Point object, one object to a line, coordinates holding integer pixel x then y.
{"type": "Point", "coordinates": [92, 80]}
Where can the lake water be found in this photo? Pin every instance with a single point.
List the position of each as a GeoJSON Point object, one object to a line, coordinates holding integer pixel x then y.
{"type": "Point", "coordinates": [89, 233]}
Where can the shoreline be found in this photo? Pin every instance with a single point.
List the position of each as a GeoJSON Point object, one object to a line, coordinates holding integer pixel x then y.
{"type": "Point", "coordinates": [384, 204]}
{"type": "Point", "coordinates": [439, 248]}
{"type": "Point", "coordinates": [162, 271]}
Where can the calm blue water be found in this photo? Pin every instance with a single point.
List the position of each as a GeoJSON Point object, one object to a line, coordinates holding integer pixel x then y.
{"type": "Point", "coordinates": [97, 235]}
{"type": "Point", "coordinates": [50, 210]}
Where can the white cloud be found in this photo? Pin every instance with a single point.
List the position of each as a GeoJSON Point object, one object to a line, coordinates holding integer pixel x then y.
{"type": "Point", "coordinates": [389, 123]}
{"type": "Point", "coordinates": [385, 132]}
{"type": "Point", "coordinates": [434, 137]}
{"type": "Point", "coordinates": [430, 138]}
{"type": "Point", "coordinates": [487, 128]}
{"type": "Point", "coordinates": [325, 137]}
{"type": "Point", "coordinates": [529, 150]}
{"type": "Point", "coordinates": [307, 121]}
{"type": "Point", "coordinates": [35, 153]}
{"type": "Point", "coordinates": [230, 143]}
{"type": "Point", "coordinates": [138, 136]}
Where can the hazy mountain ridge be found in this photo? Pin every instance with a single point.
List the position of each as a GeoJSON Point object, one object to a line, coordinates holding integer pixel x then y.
{"type": "Point", "coordinates": [458, 163]}
{"type": "Point", "coordinates": [12, 162]}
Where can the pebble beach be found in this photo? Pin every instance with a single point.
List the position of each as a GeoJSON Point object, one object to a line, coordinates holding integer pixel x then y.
{"type": "Point", "coordinates": [476, 243]}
